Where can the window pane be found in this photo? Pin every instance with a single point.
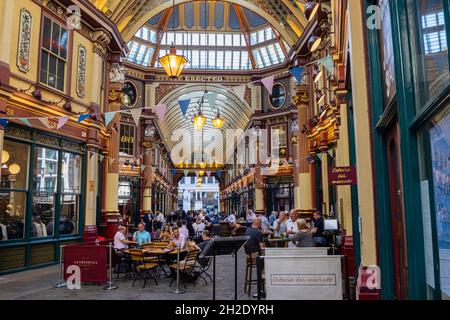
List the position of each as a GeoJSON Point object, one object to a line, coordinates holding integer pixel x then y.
{"type": "Point", "coordinates": [220, 56]}
{"type": "Point", "coordinates": [45, 170]}
{"type": "Point", "coordinates": [212, 59]}
{"type": "Point", "coordinates": [71, 173]}
{"type": "Point", "coordinates": [55, 38]}
{"type": "Point", "coordinates": [431, 50]}
{"type": "Point", "coordinates": [228, 60]}
{"type": "Point", "coordinates": [68, 223]}
{"type": "Point", "coordinates": [127, 140]}
{"type": "Point", "coordinates": [228, 40]}
{"type": "Point", "coordinates": [212, 39]}
{"type": "Point", "coordinates": [14, 166]}
{"type": "Point", "coordinates": [47, 33]}
{"type": "Point", "coordinates": [52, 72]}
{"type": "Point", "coordinates": [195, 39]}
{"type": "Point", "coordinates": [60, 75]}
{"type": "Point", "coordinates": [220, 39]}
{"type": "Point", "coordinates": [63, 43]}
{"type": "Point", "coordinates": [44, 67]}
{"type": "Point", "coordinates": [12, 209]}
{"type": "Point", "coordinates": [236, 40]}
{"type": "Point", "coordinates": [43, 215]}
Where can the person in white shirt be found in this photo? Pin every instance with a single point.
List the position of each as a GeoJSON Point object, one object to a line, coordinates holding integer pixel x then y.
{"type": "Point", "coordinates": [250, 216]}
{"type": "Point", "coordinates": [181, 224]}
{"type": "Point", "coordinates": [291, 225]}
{"type": "Point", "coordinates": [264, 221]}
{"type": "Point", "coordinates": [198, 226]}
{"type": "Point", "coordinates": [231, 218]}
{"type": "Point", "coordinates": [120, 241]}
{"type": "Point", "coordinates": [178, 240]}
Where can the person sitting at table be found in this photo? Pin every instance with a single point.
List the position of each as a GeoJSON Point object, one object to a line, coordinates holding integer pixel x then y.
{"type": "Point", "coordinates": [166, 234]}
{"type": "Point", "coordinates": [256, 241]}
{"type": "Point", "coordinates": [264, 220]}
{"type": "Point", "coordinates": [304, 237]}
{"type": "Point", "coordinates": [181, 224]}
{"type": "Point", "coordinates": [273, 217]}
{"type": "Point", "coordinates": [120, 241]}
{"type": "Point", "coordinates": [178, 240]}
{"type": "Point", "coordinates": [250, 216]}
{"type": "Point", "coordinates": [198, 226]}
{"type": "Point", "coordinates": [317, 230]}
{"type": "Point", "coordinates": [231, 218]}
{"type": "Point", "coordinates": [279, 225]}
{"type": "Point", "coordinates": [291, 225]}
{"type": "Point", "coordinates": [141, 236]}
{"type": "Point", "coordinates": [206, 238]}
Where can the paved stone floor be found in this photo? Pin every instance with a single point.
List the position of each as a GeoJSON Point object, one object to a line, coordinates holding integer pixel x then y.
{"type": "Point", "coordinates": [37, 285]}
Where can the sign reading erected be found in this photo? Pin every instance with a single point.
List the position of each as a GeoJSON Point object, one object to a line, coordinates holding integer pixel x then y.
{"type": "Point", "coordinates": [342, 176]}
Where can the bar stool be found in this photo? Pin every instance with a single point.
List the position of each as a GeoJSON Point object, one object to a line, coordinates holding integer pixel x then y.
{"type": "Point", "coordinates": [250, 265]}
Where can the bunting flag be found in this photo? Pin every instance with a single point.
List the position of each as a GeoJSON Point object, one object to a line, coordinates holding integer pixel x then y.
{"type": "Point", "coordinates": [91, 154]}
{"type": "Point", "coordinates": [101, 157]}
{"type": "Point", "coordinates": [136, 114]}
{"type": "Point", "coordinates": [219, 174]}
{"type": "Point", "coordinates": [3, 123]}
{"type": "Point", "coordinates": [328, 63]}
{"type": "Point", "coordinates": [186, 172]}
{"type": "Point", "coordinates": [240, 92]}
{"type": "Point", "coordinates": [268, 83]}
{"type": "Point", "coordinates": [174, 171]}
{"type": "Point", "coordinates": [44, 121]}
{"type": "Point", "coordinates": [297, 72]}
{"type": "Point", "coordinates": [83, 117]}
{"type": "Point", "coordinates": [241, 171]}
{"type": "Point", "coordinates": [160, 111]}
{"type": "Point", "coordinates": [330, 153]}
{"type": "Point", "coordinates": [184, 105]}
{"type": "Point", "coordinates": [109, 116]}
{"type": "Point", "coordinates": [208, 173]}
{"type": "Point", "coordinates": [297, 163]}
{"type": "Point", "coordinates": [26, 121]}
{"type": "Point", "coordinates": [211, 97]}
{"type": "Point", "coordinates": [61, 122]}
{"type": "Point", "coordinates": [230, 172]}
{"type": "Point", "coordinates": [143, 167]}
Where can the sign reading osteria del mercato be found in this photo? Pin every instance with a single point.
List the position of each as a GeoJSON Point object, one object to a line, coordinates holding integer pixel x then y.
{"type": "Point", "coordinates": [342, 176]}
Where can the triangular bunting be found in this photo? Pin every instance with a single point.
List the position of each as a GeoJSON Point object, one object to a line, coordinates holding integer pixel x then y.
{"type": "Point", "coordinates": [160, 111]}
{"type": "Point", "coordinates": [241, 172]}
{"type": "Point", "coordinates": [208, 173]}
{"type": "Point", "coordinates": [136, 114]}
{"type": "Point", "coordinates": [186, 172]}
{"type": "Point", "coordinates": [101, 157]}
{"type": "Point", "coordinates": [328, 63]}
{"type": "Point", "coordinates": [3, 123]}
{"type": "Point", "coordinates": [61, 122]}
{"type": "Point", "coordinates": [26, 121]}
{"type": "Point", "coordinates": [184, 105]}
{"type": "Point", "coordinates": [297, 72]}
{"type": "Point", "coordinates": [91, 154]}
{"type": "Point", "coordinates": [240, 92]}
{"type": "Point", "coordinates": [268, 83]}
{"type": "Point", "coordinates": [212, 97]}
{"type": "Point", "coordinates": [44, 121]}
{"type": "Point", "coordinates": [219, 174]}
{"type": "Point", "coordinates": [109, 116]}
{"type": "Point", "coordinates": [83, 117]}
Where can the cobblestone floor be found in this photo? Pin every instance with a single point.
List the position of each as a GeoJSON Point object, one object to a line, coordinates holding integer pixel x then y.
{"type": "Point", "coordinates": [37, 285]}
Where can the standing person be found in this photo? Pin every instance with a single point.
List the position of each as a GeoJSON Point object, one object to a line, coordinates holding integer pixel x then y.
{"type": "Point", "coordinates": [304, 237]}
{"type": "Point", "coordinates": [273, 216]}
{"type": "Point", "coordinates": [141, 236]}
{"type": "Point", "coordinates": [291, 225]}
{"type": "Point", "coordinates": [158, 221]}
{"type": "Point", "coordinates": [148, 220]}
{"type": "Point", "coordinates": [317, 230]}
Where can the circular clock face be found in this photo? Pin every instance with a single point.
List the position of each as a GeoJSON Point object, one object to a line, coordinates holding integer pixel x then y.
{"type": "Point", "coordinates": [130, 96]}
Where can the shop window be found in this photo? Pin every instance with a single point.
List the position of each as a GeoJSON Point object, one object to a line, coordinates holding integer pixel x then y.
{"type": "Point", "coordinates": [278, 96]}
{"type": "Point", "coordinates": [127, 139]}
{"type": "Point", "coordinates": [70, 193]}
{"type": "Point", "coordinates": [14, 178]}
{"type": "Point", "coordinates": [440, 156]}
{"type": "Point", "coordinates": [53, 54]}
{"type": "Point", "coordinates": [430, 48]}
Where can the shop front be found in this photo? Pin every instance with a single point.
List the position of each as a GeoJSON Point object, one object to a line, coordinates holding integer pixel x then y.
{"type": "Point", "coordinates": [280, 193]}
{"type": "Point", "coordinates": [41, 197]}
{"type": "Point", "coordinates": [129, 200]}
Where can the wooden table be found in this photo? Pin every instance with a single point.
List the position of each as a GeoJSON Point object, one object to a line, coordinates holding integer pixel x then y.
{"type": "Point", "coordinates": [278, 243]}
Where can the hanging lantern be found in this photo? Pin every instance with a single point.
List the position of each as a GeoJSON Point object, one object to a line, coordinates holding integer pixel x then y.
{"type": "Point", "coordinates": [218, 122]}
{"type": "Point", "coordinates": [199, 121]}
{"type": "Point", "coordinates": [172, 63]}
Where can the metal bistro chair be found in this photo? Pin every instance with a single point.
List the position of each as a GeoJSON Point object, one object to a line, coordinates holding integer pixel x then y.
{"type": "Point", "coordinates": [202, 269]}
{"type": "Point", "coordinates": [142, 270]}
{"type": "Point", "coordinates": [187, 266]}
{"type": "Point", "coordinates": [122, 259]}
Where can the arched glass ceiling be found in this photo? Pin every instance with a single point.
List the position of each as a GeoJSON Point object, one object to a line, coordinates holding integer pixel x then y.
{"type": "Point", "coordinates": [227, 37]}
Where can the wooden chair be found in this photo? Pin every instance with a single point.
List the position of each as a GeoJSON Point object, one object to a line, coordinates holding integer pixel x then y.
{"type": "Point", "coordinates": [142, 269]}
{"type": "Point", "coordinates": [186, 266]}
{"type": "Point", "coordinates": [250, 265]}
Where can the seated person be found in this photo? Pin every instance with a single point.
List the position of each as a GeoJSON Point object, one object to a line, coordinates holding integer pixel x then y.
{"type": "Point", "coordinates": [279, 225]}
{"type": "Point", "coordinates": [178, 240]}
{"type": "Point", "coordinates": [120, 241]}
{"type": "Point", "coordinates": [256, 241]}
{"type": "Point", "coordinates": [303, 238]}
{"type": "Point", "coordinates": [250, 216]}
{"type": "Point", "coordinates": [166, 234]}
{"type": "Point", "coordinates": [141, 236]}
{"type": "Point", "coordinates": [198, 226]}
{"type": "Point", "coordinates": [206, 239]}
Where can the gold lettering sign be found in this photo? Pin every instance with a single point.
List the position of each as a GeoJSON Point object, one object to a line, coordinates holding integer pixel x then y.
{"type": "Point", "coordinates": [10, 112]}
{"type": "Point", "coordinates": [127, 139]}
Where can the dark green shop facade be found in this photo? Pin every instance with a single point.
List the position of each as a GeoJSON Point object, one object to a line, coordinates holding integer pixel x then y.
{"type": "Point", "coordinates": [410, 110]}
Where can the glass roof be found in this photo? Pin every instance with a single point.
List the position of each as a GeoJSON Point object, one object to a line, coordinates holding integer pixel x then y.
{"type": "Point", "coordinates": [244, 41]}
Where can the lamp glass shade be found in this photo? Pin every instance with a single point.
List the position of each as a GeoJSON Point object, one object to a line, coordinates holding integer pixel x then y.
{"type": "Point", "coordinates": [173, 64]}
{"type": "Point", "coordinates": [311, 9]}
{"type": "Point", "coordinates": [314, 43]}
{"type": "Point", "coordinates": [14, 169]}
{"type": "Point", "coordinates": [218, 122]}
{"type": "Point", "coordinates": [5, 156]}
{"type": "Point", "coordinates": [199, 121]}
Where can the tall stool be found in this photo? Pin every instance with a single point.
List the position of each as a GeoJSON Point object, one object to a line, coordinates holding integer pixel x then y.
{"type": "Point", "coordinates": [250, 265]}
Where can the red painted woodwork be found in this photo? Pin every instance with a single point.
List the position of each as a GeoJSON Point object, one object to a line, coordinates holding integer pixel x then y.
{"type": "Point", "coordinates": [90, 233]}
{"type": "Point", "coordinates": [348, 250]}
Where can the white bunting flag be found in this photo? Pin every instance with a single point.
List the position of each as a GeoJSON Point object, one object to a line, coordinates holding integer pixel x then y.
{"type": "Point", "coordinates": [160, 111]}
{"type": "Point", "coordinates": [44, 121]}
{"type": "Point", "coordinates": [240, 92]}
{"type": "Point", "coordinates": [61, 122]}
{"type": "Point", "coordinates": [268, 83]}
{"type": "Point", "coordinates": [136, 114]}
